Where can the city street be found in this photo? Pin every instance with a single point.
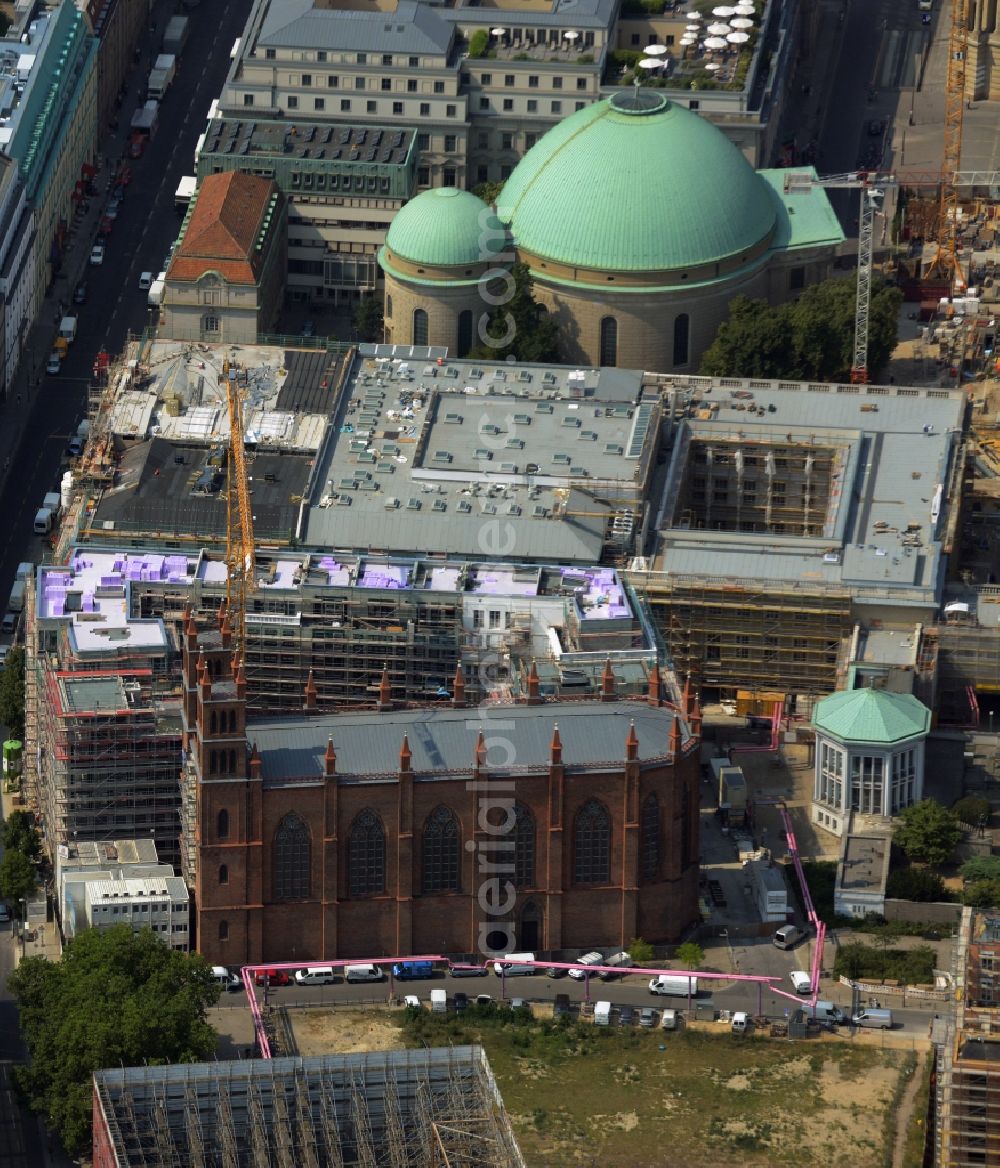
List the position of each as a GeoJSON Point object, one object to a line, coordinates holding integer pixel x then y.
{"type": "Point", "coordinates": [146, 226]}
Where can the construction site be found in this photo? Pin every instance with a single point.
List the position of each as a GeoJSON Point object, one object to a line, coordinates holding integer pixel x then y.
{"type": "Point", "coordinates": [437, 1108]}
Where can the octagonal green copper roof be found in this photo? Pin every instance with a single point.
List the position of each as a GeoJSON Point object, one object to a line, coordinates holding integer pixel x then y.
{"type": "Point", "coordinates": [445, 227]}
{"type": "Point", "coordinates": [871, 715]}
{"type": "Point", "coordinates": [636, 186]}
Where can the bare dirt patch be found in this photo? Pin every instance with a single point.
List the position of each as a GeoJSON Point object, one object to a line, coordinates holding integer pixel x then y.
{"type": "Point", "coordinates": [345, 1031]}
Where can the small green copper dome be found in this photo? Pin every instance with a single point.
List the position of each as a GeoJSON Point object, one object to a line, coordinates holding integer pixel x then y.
{"type": "Point", "coordinates": [871, 715]}
{"type": "Point", "coordinates": [636, 184]}
{"type": "Point", "coordinates": [445, 227]}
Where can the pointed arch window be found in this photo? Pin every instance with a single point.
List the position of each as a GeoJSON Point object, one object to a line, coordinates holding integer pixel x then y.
{"type": "Point", "coordinates": [592, 844]}
{"type": "Point", "coordinates": [682, 334]}
{"type": "Point", "coordinates": [366, 855]}
{"type": "Point", "coordinates": [649, 837]}
{"type": "Point", "coordinates": [609, 341]}
{"type": "Point", "coordinates": [222, 825]}
{"type": "Point", "coordinates": [464, 332]}
{"type": "Point", "coordinates": [441, 852]}
{"type": "Point", "coordinates": [420, 329]}
{"type": "Point", "coordinates": [292, 859]}
{"type": "Point", "coordinates": [524, 847]}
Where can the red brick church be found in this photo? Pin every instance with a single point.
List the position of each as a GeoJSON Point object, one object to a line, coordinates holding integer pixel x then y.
{"type": "Point", "coordinates": [539, 825]}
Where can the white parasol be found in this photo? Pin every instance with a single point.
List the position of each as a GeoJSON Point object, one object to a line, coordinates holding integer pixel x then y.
{"type": "Point", "coordinates": [738, 38]}
{"type": "Point", "coordinates": [715, 42]}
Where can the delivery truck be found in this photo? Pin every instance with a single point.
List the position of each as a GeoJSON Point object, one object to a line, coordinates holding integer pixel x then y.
{"type": "Point", "coordinates": [161, 76]}
{"type": "Point", "coordinates": [175, 35]}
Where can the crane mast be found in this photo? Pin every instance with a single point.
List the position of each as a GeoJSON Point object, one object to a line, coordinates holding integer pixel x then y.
{"type": "Point", "coordinates": [240, 560]}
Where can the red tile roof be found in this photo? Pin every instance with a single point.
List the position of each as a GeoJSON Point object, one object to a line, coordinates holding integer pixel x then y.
{"type": "Point", "coordinates": [221, 233]}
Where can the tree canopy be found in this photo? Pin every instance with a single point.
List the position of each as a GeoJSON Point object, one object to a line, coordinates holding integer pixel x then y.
{"type": "Point", "coordinates": [116, 998]}
{"type": "Point", "coordinates": [12, 693]}
{"type": "Point", "coordinates": [488, 191]}
{"type": "Point", "coordinates": [368, 320]}
{"type": "Point", "coordinates": [928, 832]}
{"type": "Point", "coordinates": [519, 326]}
{"type": "Point", "coordinates": [19, 832]}
{"type": "Point", "coordinates": [809, 339]}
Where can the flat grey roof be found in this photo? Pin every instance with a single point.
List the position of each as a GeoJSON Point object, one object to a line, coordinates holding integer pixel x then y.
{"type": "Point", "coordinates": [444, 740]}
{"type": "Point", "coordinates": [426, 454]}
{"type": "Point", "coordinates": [348, 144]}
{"type": "Point", "coordinates": [82, 695]}
{"type": "Point", "coordinates": [891, 507]}
{"type": "Point", "coordinates": [412, 28]}
{"type": "Point", "coordinates": [863, 863]}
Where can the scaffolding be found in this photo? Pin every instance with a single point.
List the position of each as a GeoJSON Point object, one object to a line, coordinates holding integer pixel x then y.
{"type": "Point", "coordinates": [388, 1109]}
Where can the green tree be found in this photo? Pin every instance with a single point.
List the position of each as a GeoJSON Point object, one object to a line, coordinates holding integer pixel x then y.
{"type": "Point", "coordinates": [641, 951]}
{"type": "Point", "coordinates": [17, 876]}
{"type": "Point", "coordinates": [115, 999]}
{"type": "Point", "coordinates": [20, 834]}
{"type": "Point", "coordinates": [489, 192]}
{"type": "Point", "coordinates": [915, 884]}
{"type": "Point", "coordinates": [690, 955]}
{"type": "Point", "coordinates": [12, 693]}
{"type": "Point", "coordinates": [981, 868]}
{"type": "Point", "coordinates": [368, 320]}
{"type": "Point", "coordinates": [519, 327]}
{"type": "Point", "coordinates": [972, 810]}
{"type": "Point", "coordinates": [809, 339]}
{"type": "Point", "coordinates": [982, 893]}
{"type": "Point", "coordinates": [478, 43]}
{"type": "Point", "coordinates": [928, 832]}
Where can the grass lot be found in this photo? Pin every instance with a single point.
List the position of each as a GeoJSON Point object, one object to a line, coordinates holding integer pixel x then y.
{"type": "Point", "coordinates": [583, 1095]}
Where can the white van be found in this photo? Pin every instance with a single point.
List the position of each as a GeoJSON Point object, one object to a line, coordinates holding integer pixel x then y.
{"type": "Point", "coordinates": [226, 980]}
{"type": "Point", "coordinates": [602, 1014]}
{"type": "Point", "coordinates": [674, 986]}
{"type": "Point", "coordinates": [801, 981]}
{"type": "Point", "coordinates": [515, 965]}
{"type": "Point", "coordinates": [788, 936]}
{"type": "Point", "coordinates": [315, 975]}
{"type": "Point", "coordinates": [668, 1020]}
{"type": "Point", "coordinates": [439, 1001]}
{"type": "Point", "coordinates": [874, 1019]}
{"type": "Point", "coordinates": [740, 1023]}
{"type": "Point", "coordinates": [826, 1013]}
{"type": "Point", "coordinates": [354, 973]}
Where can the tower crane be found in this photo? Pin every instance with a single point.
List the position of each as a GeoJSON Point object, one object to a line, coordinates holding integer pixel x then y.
{"type": "Point", "coordinates": [240, 556]}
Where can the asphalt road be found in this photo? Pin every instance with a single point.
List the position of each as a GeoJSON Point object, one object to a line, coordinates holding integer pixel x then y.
{"type": "Point", "coordinates": [146, 226]}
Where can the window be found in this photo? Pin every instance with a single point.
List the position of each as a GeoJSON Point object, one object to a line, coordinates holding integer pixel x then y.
{"type": "Point", "coordinates": [532, 106]}
{"type": "Point", "coordinates": [307, 80]}
{"type": "Point", "coordinates": [609, 341]}
{"type": "Point", "coordinates": [387, 58]}
{"type": "Point", "coordinates": [592, 844]}
{"type": "Point", "coordinates": [482, 174]}
{"type": "Point", "coordinates": [397, 108]}
{"type": "Point", "coordinates": [419, 326]}
{"type": "Point", "coordinates": [366, 855]}
{"type": "Point", "coordinates": [484, 103]}
{"type": "Point", "coordinates": [423, 176]}
{"type": "Point", "coordinates": [423, 140]}
{"type": "Point", "coordinates": [579, 105]}
{"type": "Point", "coordinates": [506, 141]}
{"type": "Point", "coordinates": [796, 279]}
{"type": "Point", "coordinates": [425, 112]}
{"type": "Point", "coordinates": [319, 103]}
{"type": "Point", "coordinates": [223, 874]}
{"type": "Point", "coordinates": [345, 105]}
{"type": "Point", "coordinates": [223, 930]}
{"type": "Point", "coordinates": [450, 111]}
{"type": "Point", "coordinates": [293, 102]}
{"type": "Point", "coordinates": [524, 847]}
{"type": "Point", "coordinates": [464, 332]}
{"type": "Point", "coordinates": [557, 107]}
{"type": "Point", "coordinates": [211, 324]}
{"type": "Point", "coordinates": [635, 38]}
{"type": "Point", "coordinates": [371, 107]}
{"type": "Point", "coordinates": [386, 84]}
{"type": "Point", "coordinates": [693, 105]}
{"type": "Point", "coordinates": [581, 83]}
{"type": "Point", "coordinates": [222, 825]}
{"type": "Point", "coordinates": [649, 837]}
{"type": "Point", "coordinates": [248, 99]}
{"type": "Point", "coordinates": [682, 329]}
{"type": "Point", "coordinates": [508, 104]}
{"type": "Point", "coordinates": [414, 62]}
{"type": "Point", "coordinates": [494, 618]}
{"type": "Point", "coordinates": [509, 80]}
{"type": "Point", "coordinates": [411, 86]}
{"type": "Point", "coordinates": [388, 307]}
{"type": "Point", "coordinates": [448, 174]}
{"type": "Point", "coordinates": [359, 83]}
{"type": "Point", "coordinates": [292, 859]}
{"type": "Point", "coordinates": [332, 82]}
{"type": "Point", "coordinates": [557, 83]}
{"type": "Point", "coordinates": [362, 58]}
{"type": "Point", "coordinates": [505, 171]}
{"type": "Point", "coordinates": [440, 852]}
{"type": "Point", "coordinates": [486, 79]}
{"type": "Point", "coordinates": [439, 87]}
{"type": "Point", "coordinates": [533, 82]}
{"type": "Point", "coordinates": [530, 139]}
{"type": "Point", "coordinates": [484, 139]}
{"type": "Point", "coordinates": [321, 56]}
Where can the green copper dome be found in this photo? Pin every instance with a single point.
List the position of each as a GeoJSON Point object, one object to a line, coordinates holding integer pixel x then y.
{"type": "Point", "coordinates": [871, 715]}
{"type": "Point", "coordinates": [445, 227]}
{"type": "Point", "coordinates": [636, 184]}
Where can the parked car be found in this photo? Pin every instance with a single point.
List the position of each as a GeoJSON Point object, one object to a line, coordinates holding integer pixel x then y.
{"type": "Point", "coordinates": [626, 1015]}
{"type": "Point", "coordinates": [461, 969]}
{"type": "Point", "coordinates": [647, 1017]}
{"type": "Point", "coordinates": [80, 295]}
{"type": "Point", "coordinates": [461, 1002]}
{"type": "Point", "coordinates": [578, 972]}
{"type": "Point", "coordinates": [97, 255]}
{"type": "Point", "coordinates": [54, 363]}
{"type": "Point", "coordinates": [145, 281]}
{"type": "Point", "coordinates": [272, 977]}
{"type": "Point", "coordinates": [555, 971]}
{"type": "Point", "coordinates": [4, 911]}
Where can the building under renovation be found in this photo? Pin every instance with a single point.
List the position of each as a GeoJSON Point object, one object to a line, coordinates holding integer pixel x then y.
{"type": "Point", "coordinates": [419, 1108]}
